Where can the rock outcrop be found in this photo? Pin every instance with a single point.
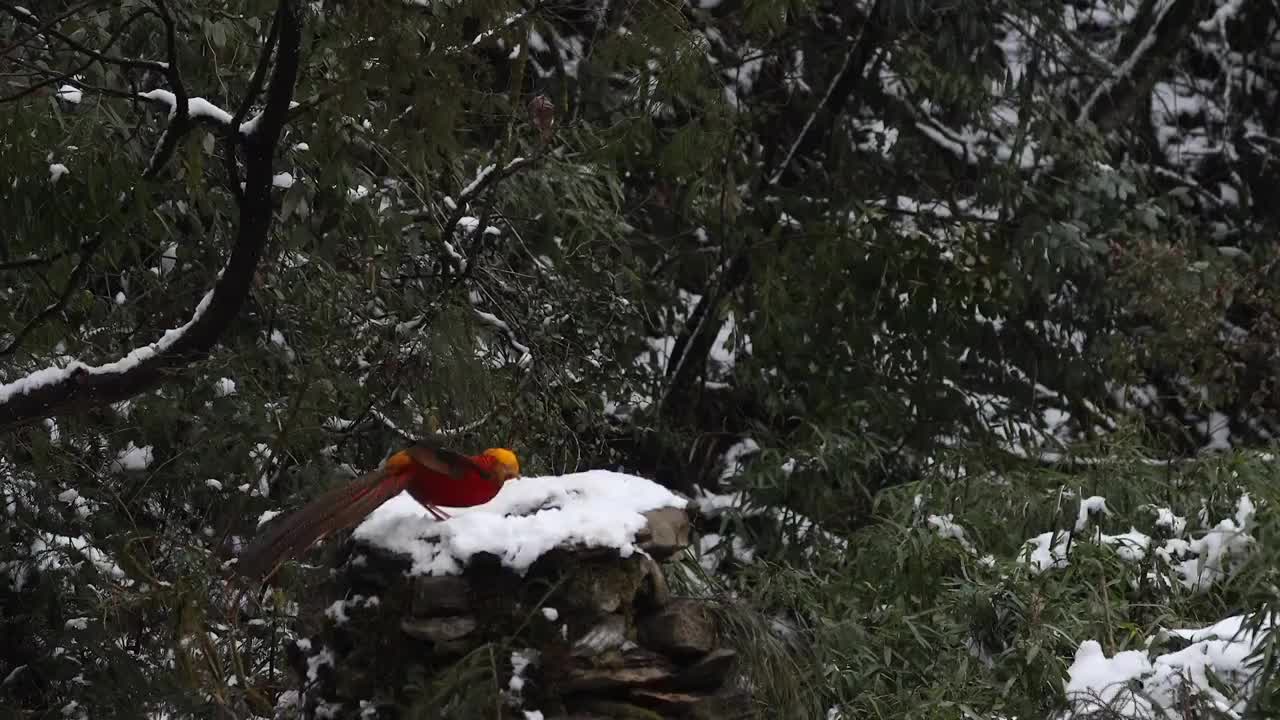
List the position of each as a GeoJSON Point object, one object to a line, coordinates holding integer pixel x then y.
{"type": "Point", "coordinates": [582, 632]}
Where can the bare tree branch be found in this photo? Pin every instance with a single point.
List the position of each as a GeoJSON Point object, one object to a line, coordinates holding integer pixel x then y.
{"type": "Point", "coordinates": [60, 390]}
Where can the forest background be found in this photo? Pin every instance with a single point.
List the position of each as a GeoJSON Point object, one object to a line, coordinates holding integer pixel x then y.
{"type": "Point", "coordinates": [894, 286]}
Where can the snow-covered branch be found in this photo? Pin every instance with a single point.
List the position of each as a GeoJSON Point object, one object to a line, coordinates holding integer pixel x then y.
{"type": "Point", "coordinates": [485, 180]}
{"type": "Point", "coordinates": [488, 318]}
{"type": "Point", "coordinates": [1146, 50]}
{"type": "Point", "coordinates": [75, 385]}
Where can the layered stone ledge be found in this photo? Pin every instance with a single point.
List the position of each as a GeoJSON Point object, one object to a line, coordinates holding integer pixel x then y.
{"type": "Point", "coordinates": [583, 632]}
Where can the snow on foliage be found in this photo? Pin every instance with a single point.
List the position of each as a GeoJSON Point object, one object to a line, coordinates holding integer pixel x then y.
{"type": "Point", "coordinates": [1216, 667]}
{"type": "Point", "coordinates": [52, 375]}
{"type": "Point", "coordinates": [1193, 564]}
{"type": "Point", "coordinates": [528, 518]}
{"type": "Point", "coordinates": [945, 526]}
{"type": "Point", "coordinates": [133, 458]}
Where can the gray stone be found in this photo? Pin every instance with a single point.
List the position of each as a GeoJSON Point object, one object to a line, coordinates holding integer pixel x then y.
{"type": "Point", "coordinates": [606, 635]}
{"type": "Point", "coordinates": [709, 672]}
{"type": "Point", "coordinates": [439, 630]}
{"type": "Point", "coordinates": [604, 587]}
{"type": "Point", "coordinates": [718, 706]}
{"type": "Point", "coordinates": [666, 532]}
{"type": "Point", "coordinates": [435, 596]}
{"type": "Point", "coordinates": [598, 679]}
{"type": "Point", "coordinates": [684, 628]}
{"type": "Point", "coordinates": [612, 709]}
{"type": "Point", "coordinates": [668, 703]}
{"type": "Point", "coordinates": [613, 670]}
{"type": "Point", "coordinates": [654, 593]}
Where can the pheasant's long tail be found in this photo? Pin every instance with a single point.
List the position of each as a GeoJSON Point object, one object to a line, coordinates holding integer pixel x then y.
{"type": "Point", "coordinates": [335, 510]}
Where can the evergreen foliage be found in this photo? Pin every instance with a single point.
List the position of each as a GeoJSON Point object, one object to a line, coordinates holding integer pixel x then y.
{"type": "Point", "coordinates": [977, 253]}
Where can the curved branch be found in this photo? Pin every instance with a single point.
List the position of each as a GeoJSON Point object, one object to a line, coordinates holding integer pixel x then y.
{"type": "Point", "coordinates": [76, 386]}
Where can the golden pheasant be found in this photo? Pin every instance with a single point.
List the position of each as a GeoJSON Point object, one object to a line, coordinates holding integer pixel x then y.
{"type": "Point", "coordinates": [433, 476]}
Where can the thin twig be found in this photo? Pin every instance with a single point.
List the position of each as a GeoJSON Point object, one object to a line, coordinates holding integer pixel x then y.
{"type": "Point", "coordinates": [259, 75]}
{"type": "Point", "coordinates": [70, 75]}
{"type": "Point", "coordinates": [65, 296]}
{"type": "Point", "coordinates": [180, 117]}
{"type": "Point", "coordinates": [40, 29]}
{"type": "Point", "coordinates": [85, 49]}
{"type": "Point", "coordinates": [45, 260]}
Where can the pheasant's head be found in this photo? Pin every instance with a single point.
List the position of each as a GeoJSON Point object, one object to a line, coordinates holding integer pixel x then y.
{"type": "Point", "coordinates": [506, 465]}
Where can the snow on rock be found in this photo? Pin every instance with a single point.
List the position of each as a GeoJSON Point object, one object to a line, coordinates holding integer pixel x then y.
{"type": "Point", "coordinates": [527, 519]}
{"type": "Point", "coordinates": [1138, 684]}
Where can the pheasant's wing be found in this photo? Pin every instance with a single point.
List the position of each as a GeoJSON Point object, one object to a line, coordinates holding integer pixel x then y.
{"type": "Point", "coordinates": [446, 462]}
{"type": "Point", "coordinates": [335, 510]}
